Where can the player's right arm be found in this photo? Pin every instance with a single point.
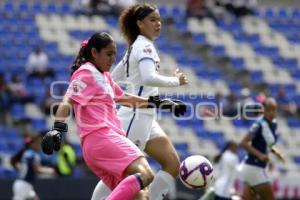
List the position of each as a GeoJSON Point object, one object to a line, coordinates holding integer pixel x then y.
{"type": "Point", "coordinates": [44, 170]}
{"type": "Point", "coordinates": [147, 58]}
{"type": "Point", "coordinates": [52, 140]}
{"type": "Point", "coordinates": [63, 109]}
{"type": "Point", "coordinates": [245, 143]}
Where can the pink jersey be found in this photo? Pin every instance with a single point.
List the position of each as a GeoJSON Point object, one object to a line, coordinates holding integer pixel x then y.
{"type": "Point", "coordinates": [94, 95]}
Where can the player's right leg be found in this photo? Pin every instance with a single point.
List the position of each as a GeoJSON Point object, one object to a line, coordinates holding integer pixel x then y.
{"type": "Point", "coordinates": [248, 193]}
{"type": "Point", "coordinates": [118, 162]}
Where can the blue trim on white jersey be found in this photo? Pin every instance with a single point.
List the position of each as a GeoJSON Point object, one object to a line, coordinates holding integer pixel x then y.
{"type": "Point", "coordinates": [127, 61]}
{"type": "Point", "coordinates": [131, 121]}
{"type": "Point", "coordinates": [146, 58]}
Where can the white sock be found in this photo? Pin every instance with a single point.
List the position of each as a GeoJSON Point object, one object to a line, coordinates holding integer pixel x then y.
{"type": "Point", "coordinates": [101, 191]}
{"type": "Point", "coordinates": [160, 185]}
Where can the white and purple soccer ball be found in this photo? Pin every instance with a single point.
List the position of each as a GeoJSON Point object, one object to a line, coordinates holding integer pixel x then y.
{"type": "Point", "coordinates": [196, 172]}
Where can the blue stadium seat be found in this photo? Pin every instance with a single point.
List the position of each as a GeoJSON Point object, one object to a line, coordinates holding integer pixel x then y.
{"type": "Point", "coordinates": [256, 76]}
{"type": "Point", "coordinates": [23, 7]}
{"type": "Point", "coordinates": [181, 26]}
{"type": "Point", "coordinates": [39, 124]}
{"type": "Point", "coordinates": [282, 14]}
{"type": "Point", "coordinates": [178, 12]}
{"type": "Point", "coordinates": [200, 39]}
{"type": "Point", "coordinates": [269, 13]}
{"type": "Point", "coordinates": [9, 6]}
{"type": "Point", "coordinates": [238, 63]}
{"type": "Point", "coordinates": [77, 172]}
{"type": "Point", "coordinates": [295, 13]}
{"type": "Point", "coordinates": [296, 99]}
{"type": "Point", "coordinates": [293, 122]}
{"type": "Point", "coordinates": [65, 8]}
{"type": "Point", "coordinates": [183, 123]}
{"type": "Point", "coordinates": [10, 173]}
{"type": "Point", "coordinates": [297, 160]}
{"type": "Point", "coordinates": [3, 145]}
{"type": "Point", "coordinates": [112, 21]}
{"type": "Point", "coordinates": [239, 123]}
{"type": "Point", "coordinates": [2, 174]}
{"type": "Point", "coordinates": [218, 51]}
{"type": "Point", "coordinates": [163, 11]}
{"type": "Point", "coordinates": [18, 112]}
{"type": "Point", "coordinates": [37, 7]}
{"type": "Point", "coordinates": [78, 150]}
{"type": "Point", "coordinates": [181, 146]}
{"type": "Point", "coordinates": [155, 165]}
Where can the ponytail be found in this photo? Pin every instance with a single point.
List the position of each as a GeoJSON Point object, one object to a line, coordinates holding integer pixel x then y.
{"type": "Point", "coordinates": [79, 60]}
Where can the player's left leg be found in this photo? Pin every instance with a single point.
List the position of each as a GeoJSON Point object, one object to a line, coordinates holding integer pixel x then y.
{"type": "Point", "coordinates": [101, 191]}
{"type": "Point", "coordinates": [264, 191]}
{"type": "Point", "coordinates": [162, 150]}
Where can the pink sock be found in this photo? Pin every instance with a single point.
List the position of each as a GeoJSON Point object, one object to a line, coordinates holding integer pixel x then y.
{"type": "Point", "coordinates": [126, 189]}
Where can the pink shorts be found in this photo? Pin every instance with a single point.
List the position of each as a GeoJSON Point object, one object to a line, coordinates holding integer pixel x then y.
{"type": "Point", "coordinates": [108, 155]}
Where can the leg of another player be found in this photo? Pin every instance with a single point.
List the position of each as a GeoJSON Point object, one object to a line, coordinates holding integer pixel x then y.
{"type": "Point", "coordinates": [139, 176]}
{"type": "Point", "coordinates": [101, 191]}
{"type": "Point", "coordinates": [142, 195]}
{"type": "Point", "coordinates": [162, 150]}
{"type": "Point", "coordinates": [248, 193]}
{"type": "Point", "coordinates": [264, 191]}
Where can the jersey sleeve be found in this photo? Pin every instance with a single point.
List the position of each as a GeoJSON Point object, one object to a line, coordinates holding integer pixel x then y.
{"type": "Point", "coordinates": [118, 92]}
{"type": "Point", "coordinates": [32, 158]}
{"type": "Point", "coordinates": [254, 129]}
{"type": "Point", "coordinates": [145, 51]}
{"type": "Point", "coordinates": [82, 87]}
{"type": "Point", "coordinates": [267, 134]}
{"type": "Point", "coordinates": [151, 77]}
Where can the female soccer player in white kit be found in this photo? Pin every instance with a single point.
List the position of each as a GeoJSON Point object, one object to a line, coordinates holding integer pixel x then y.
{"type": "Point", "coordinates": [227, 165]}
{"type": "Point", "coordinates": [139, 70]}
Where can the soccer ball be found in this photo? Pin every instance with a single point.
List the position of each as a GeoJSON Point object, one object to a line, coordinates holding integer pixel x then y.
{"type": "Point", "coordinates": [196, 172]}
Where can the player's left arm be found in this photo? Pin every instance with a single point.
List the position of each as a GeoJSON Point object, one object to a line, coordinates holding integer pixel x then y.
{"type": "Point", "coordinates": [176, 106]}
{"type": "Point", "coordinates": [278, 153]}
{"type": "Point", "coordinates": [130, 100]}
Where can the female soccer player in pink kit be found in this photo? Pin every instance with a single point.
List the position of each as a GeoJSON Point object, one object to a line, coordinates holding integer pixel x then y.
{"type": "Point", "coordinates": [139, 72]}
{"type": "Point", "coordinates": [93, 93]}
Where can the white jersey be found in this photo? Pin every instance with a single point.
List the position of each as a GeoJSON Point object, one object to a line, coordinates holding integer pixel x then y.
{"type": "Point", "coordinates": [141, 80]}
{"type": "Point", "coordinates": [227, 170]}
{"type": "Point", "coordinates": [138, 73]}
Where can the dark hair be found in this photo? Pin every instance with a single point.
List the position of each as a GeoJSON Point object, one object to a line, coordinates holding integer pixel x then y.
{"type": "Point", "coordinates": [97, 41]}
{"type": "Point", "coordinates": [228, 145]}
{"type": "Point", "coordinates": [129, 17]}
{"type": "Point", "coordinates": [16, 158]}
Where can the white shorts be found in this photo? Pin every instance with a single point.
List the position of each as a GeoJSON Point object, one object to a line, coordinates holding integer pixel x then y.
{"type": "Point", "coordinates": [252, 175]}
{"type": "Point", "coordinates": [23, 190]}
{"type": "Point", "coordinates": [139, 127]}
